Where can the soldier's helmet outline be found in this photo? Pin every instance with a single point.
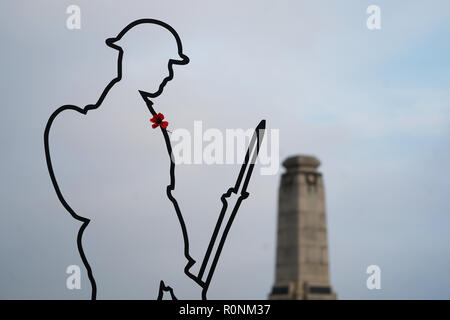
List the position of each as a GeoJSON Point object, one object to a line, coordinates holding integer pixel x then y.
{"type": "Point", "coordinates": [115, 42]}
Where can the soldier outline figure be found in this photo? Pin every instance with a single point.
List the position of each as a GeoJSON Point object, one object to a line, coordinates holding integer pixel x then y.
{"type": "Point", "coordinates": [158, 87]}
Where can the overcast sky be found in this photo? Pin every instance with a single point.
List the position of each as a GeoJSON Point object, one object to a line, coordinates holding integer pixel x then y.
{"type": "Point", "coordinates": [373, 106]}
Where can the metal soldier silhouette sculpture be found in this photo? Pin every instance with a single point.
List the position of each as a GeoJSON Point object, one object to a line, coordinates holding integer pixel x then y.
{"type": "Point", "coordinates": [100, 159]}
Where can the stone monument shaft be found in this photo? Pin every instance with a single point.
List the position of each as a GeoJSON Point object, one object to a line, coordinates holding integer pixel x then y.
{"type": "Point", "coordinates": [302, 247]}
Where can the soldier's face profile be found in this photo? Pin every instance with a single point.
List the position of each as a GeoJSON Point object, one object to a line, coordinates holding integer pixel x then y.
{"type": "Point", "coordinates": [150, 56]}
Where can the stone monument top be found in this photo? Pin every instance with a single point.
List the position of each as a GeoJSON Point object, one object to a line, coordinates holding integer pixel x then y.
{"type": "Point", "coordinates": [301, 162]}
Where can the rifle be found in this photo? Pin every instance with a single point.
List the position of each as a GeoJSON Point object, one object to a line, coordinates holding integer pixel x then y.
{"type": "Point", "coordinates": [240, 188]}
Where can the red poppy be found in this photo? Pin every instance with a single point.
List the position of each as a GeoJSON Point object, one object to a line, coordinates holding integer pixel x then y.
{"type": "Point", "coordinates": [157, 120]}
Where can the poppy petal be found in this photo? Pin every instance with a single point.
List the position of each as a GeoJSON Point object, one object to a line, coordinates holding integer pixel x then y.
{"type": "Point", "coordinates": [160, 116]}
{"type": "Point", "coordinates": [154, 125]}
{"type": "Point", "coordinates": [164, 124]}
{"type": "Point", "coordinates": [153, 119]}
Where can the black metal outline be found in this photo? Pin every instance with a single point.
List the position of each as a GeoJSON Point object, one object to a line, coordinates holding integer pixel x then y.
{"type": "Point", "coordinates": [247, 168]}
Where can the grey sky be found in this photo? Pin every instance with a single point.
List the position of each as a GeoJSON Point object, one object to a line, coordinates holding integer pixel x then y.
{"type": "Point", "coordinates": [372, 105]}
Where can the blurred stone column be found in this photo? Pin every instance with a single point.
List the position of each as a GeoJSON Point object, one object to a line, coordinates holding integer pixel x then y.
{"type": "Point", "coordinates": [302, 248]}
